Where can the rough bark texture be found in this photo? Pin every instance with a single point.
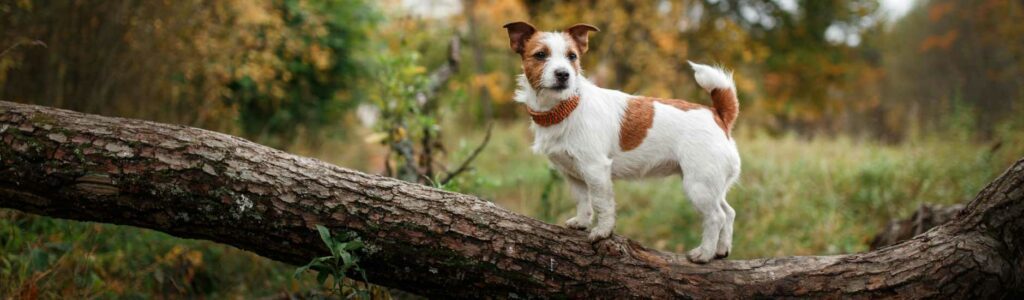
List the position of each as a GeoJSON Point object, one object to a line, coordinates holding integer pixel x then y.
{"type": "Point", "coordinates": [926, 217]}
{"type": "Point", "coordinates": [199, 184]}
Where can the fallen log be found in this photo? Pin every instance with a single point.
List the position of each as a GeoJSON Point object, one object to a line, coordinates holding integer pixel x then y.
{"type": "Point", "coordinates": [199, 184]}
{"type": "Point", "coordinates": [926, 217]}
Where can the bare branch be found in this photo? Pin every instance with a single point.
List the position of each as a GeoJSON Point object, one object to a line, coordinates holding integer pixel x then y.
{"type": "Point", "coordinates": [469, 160]}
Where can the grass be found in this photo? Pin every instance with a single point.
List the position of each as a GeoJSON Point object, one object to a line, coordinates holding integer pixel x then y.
{"type": "Point", "coordinates": [54, 258]}
{"type": "Point", "coordinates": [795, 197]}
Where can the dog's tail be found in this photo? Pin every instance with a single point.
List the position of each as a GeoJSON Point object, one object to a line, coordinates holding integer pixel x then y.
{"type": "Point", "coordinates": [719, 84]}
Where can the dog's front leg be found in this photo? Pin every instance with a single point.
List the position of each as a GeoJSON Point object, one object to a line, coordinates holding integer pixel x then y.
{"type": "Point", "coordinates": [584, 211]}
{"type": "Point", "coordinates": [598, 177]}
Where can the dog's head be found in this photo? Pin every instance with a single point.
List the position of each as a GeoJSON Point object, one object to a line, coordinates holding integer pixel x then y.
{"type": "Point", "coordinates": [551, 60]}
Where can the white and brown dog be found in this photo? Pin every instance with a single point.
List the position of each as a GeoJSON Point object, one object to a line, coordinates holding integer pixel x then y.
{"type": "Point", "coordinates": [593, 135]}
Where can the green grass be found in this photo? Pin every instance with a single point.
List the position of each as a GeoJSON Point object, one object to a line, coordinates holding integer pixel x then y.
{"type": "Point", "coordinates": [795, 197]}
{"type": "Point", "coordinates": [80, 260]}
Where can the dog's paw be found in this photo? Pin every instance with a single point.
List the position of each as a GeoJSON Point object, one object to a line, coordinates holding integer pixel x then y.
{"type": "Point", "coordinates": [576, 223]}
{"type": "Point", "coordinates": [699, 256]}
{"type": "Point", "coordinates": [598, 234]}
{"type": "Point", "coordinates": [722, 252]}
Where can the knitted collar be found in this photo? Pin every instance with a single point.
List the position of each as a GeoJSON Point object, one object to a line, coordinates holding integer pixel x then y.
{"type": "Point", "coordinates": [556, 114]}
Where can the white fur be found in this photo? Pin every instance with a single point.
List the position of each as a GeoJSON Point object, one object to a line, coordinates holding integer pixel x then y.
{"type": "Point", "coordinates": [711, 78]}
{"type": "Point", "coordinates": [585, 148]}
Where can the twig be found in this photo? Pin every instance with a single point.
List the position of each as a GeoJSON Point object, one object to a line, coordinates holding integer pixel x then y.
{"type": "Point", "coordinates": [16, 45]}
{"type": "Point", "coordinates": [465, 164]}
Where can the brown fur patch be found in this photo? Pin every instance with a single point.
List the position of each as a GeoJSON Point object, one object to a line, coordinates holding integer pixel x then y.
{"type": "Point", "coordinates": [726, 108]}
{"type": "Point", "coordinates": [533, 67]}
{"type": "Point", "coordinates": [518, 33]}
{"type": "Point", "coordinates": [580, 35]}
{"type": "Point", "coordinates": [639, 118]}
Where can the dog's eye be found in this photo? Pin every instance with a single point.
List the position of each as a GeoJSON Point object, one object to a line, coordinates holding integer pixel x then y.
{"type": "Point", "coordinates": [540, 55]}
{"type": "Point", "coordinates": [572, 56]}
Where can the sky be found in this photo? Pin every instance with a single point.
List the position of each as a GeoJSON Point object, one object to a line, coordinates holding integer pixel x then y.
{"type": "Point", "coordinates": [897, 8]}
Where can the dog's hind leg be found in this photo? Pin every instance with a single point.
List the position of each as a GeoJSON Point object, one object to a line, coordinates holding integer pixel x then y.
{"type": "Point", "coordinates": [584, 211]}
{"type": "Point", "coordinates": [725, 237]}
{"type": "Point", "coordinates": [706, 193]}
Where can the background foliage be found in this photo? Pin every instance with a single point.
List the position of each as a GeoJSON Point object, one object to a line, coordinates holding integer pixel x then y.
{"type": "Point", "coordinates": [851, 116]}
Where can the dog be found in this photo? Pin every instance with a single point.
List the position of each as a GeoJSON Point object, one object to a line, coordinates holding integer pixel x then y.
{"type": "Point", "coordinates": [593, 135]}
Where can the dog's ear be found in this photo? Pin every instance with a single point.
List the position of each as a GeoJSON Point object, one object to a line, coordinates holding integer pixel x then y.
{"type": "Point", "coordinates": [518, 34]}
{"type": "Point", "coordinates": [580, 33]}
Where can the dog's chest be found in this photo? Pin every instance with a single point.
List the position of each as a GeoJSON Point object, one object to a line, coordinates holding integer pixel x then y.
{"type": "Point", "coordinates": [565, 163]}
{"type": "Point", "coordinates": [555, 144]}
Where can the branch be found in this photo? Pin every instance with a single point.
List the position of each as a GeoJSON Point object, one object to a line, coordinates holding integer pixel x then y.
{"type": "Point", "coordinates": [926, 217]}
{"type": "Point", "coordinates": [194, 183]}
{"type": "Point", "coordinates": [469, 160]}
{"type": "Point", "coordinates": [19, 44]}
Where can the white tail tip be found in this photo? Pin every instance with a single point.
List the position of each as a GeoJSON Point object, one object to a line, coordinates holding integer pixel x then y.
{"type": "Point", "coordinates": [710, 78]}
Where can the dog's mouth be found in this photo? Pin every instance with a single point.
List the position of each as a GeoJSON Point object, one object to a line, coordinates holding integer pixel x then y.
{"type": "Point", "coordinates": [559, 87]}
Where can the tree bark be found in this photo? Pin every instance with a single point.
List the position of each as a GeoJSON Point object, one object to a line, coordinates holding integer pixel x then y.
{"type": "Point", "coordinates": [925, 217]}
{"type": "Point", "coordinates": [194, 183]}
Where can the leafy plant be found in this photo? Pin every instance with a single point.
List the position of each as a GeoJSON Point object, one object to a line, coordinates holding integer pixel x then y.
{"type": "Point", "coordinates": [339, 263]}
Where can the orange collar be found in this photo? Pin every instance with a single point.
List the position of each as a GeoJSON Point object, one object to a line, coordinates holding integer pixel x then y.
{"type": "Point", "coordinates": [556, 114]}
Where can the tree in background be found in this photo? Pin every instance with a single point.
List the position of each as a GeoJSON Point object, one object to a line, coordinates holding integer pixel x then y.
{"type": "Point", "coordinates": [955, 63]}
{"type": "Point", "coordinates": [821, 62]}
{"type": "Point", "coordinates": [273, 69]}
{"type": "Point", "coordinates": [279, 70]}
{"type": "Point", "coordinates": [302, 73]}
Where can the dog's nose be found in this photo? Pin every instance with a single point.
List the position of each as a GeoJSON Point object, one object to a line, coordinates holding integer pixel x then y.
{"type": "Point", "coordinates": [562, 75]}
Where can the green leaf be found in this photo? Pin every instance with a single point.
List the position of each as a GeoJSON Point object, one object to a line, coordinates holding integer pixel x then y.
{"type": "Point", "coordinates": [346, 258]}
{"type": "Point", "coordinates": [338, 248]}
{"type": "Point", "coordinates": [322, 277]}
{"type": "Point", "coordinates": [363, 273]}
{"type": "Point", "coordinates": [299, 270]}
{"type": "Point", "coordinates": [320, 268]}
{"type": "Point", "coordinates": [355, 244]}
{"type": "Point", "coordinates": [325, 235]}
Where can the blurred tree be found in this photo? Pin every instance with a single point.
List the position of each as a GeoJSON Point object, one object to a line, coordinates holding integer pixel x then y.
{"type": "Point", "coordinates": [820, 67]}
{"type": "Point", "coordinates": [492, 63]}
{"type": "Point", "coordinates": [277, 68]}
{"type": "Point", "coordinates": [948, 58]}
{"type": "Point", "coordinates": [115, 57]}
{"type": "Point", "coordinates": [301, 65]}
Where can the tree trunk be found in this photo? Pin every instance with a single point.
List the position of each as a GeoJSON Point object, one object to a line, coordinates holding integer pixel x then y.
{"type": "Point", "coordinates": [199, 184]}
{"type": "Point", "coordinates": [924, 218]}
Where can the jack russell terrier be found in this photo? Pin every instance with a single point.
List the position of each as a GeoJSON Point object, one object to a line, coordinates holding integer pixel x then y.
{"type": "Point", "coordinates": [593, 135]}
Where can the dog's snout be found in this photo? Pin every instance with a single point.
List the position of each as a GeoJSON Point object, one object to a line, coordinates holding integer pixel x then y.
{"type": "Point", "coordinates": [562, 75]}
